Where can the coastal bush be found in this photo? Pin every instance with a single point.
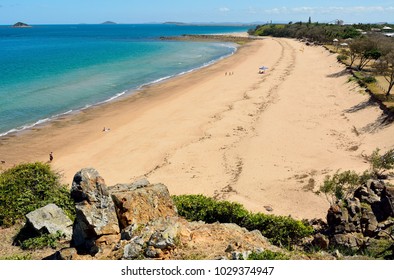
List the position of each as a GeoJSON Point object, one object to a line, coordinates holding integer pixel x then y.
{"type": "Point", "coordinates": [342, 58]}
{"type": "Point", "coordinates": [342, 184]}
{"type": "Point", "coordinates": [267, 255]}
{"type": "Point", "coordinates": [281, 231]}
{"type": "Point", "coordinates": [369, 79]}
{"type": "Point", "coordinates": [380, 165]}
{"type": "Point", "coordinates": [17, 257]}
{"type": "Point", "coordinates": [42, 241]}
{"type": "Point", "coordinates": [202, 208]}
{"type": "Point", "coordinates": [29, 186]}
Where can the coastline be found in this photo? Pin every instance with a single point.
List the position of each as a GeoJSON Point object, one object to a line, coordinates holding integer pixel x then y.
{"type": "Point", "coordinates": [125, 93]}
{"type": "Point", "coordinates": [265, 141]}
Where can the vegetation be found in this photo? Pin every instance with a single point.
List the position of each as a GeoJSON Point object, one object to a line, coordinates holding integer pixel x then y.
{"type": "Point", "coordinates": [365, 49]}
{"type": "Point", "coordinates": [342, 184]}
{"type": "Point", "coordinates": [29, 186]}
{"type": "Point", "coordinates": [42, 241]}
{"type": "Point", "coordinates": [381, 165]}
{"type": "Point", "coordinates": [385, 67]}
{"type": "Point", "coordinates": [322, 33]}
{"type": "Point", "coordinates": [282, 231]}
{"type": "Point", "coordinates": [17, 257]}
{"type": "Point", "coordinates": [267, 255]}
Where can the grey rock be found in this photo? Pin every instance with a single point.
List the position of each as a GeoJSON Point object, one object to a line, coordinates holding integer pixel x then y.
{"type": "Point", "coordinates": [132, 251]}
{"type": "Point", "coordinates": [50, 219]}
{"type": "Point", "coordinates": [127, 233]}
{"type": "Point", "coordinates": [354, 206]}
{"type": "Point", "coordinates": [388, 202]}
{"type": "Point", "coordinates": [349, 240]}
{"type": "Point", "coordinates": [95, 211]}
{"type": "Point", "coordinates": [369, 223]}
{"type": "Point", "coordinates": [161, 241]}
{"type": "Point", "coordinates": [152, 252]}
{"type": "Point", "coordinates": [240, 255]}
{"type": "Point", "coordinates": [368, 193]}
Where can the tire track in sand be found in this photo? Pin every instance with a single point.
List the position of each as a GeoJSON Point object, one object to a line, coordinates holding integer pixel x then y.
{"type": "Point", "coordinates": [217, 148]}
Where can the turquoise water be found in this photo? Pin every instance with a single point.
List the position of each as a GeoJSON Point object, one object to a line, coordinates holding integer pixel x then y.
{"type": "Point", "coordinates": [47, 71]}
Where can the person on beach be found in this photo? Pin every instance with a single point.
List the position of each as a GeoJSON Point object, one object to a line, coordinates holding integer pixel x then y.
{"type": "Point", "coordinates": [50, 156]}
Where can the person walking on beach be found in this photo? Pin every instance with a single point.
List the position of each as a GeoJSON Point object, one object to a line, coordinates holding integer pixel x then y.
{"type": "Point", "coordinates": [50, 157]}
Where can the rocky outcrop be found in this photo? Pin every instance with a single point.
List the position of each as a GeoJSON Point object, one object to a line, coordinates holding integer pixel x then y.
{"type": "Point", "coordinates": [360, 220]}
{"type": "Point", "coordinates": [96, 220]}
{"type": "Point", "coordinates": [139, 203]}
{"type": "Point", "coordinates": [149, 226]}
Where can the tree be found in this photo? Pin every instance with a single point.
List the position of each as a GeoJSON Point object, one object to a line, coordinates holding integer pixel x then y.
{"type": "Point", "coordinates": [354, 50]}
{"type": "Point", "coordinates": [369, 50]}
{"type": "Point", "coordinates": [385, 67]}
{"type": "Point", "coordinates": [340, 185]}
{"type": "Point", "coordinates": [365, 49]}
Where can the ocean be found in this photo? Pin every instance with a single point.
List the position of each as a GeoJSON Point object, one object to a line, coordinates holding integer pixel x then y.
{"type": "Point", "coordinates": [50, 70]}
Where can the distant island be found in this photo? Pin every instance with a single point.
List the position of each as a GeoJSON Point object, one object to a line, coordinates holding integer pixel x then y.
{"type": "Point", "coordinates": [21, 25]}
{"type": "Point", "coordinates": [109, 22]}
{"type": "Point", "coordinates": [175, 22]}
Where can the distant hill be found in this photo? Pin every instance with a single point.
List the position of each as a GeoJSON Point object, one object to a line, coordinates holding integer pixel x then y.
{"type": "Point", "coordinates": [20, 25]}
{"type": "Point", "coordinates": [109, 22]}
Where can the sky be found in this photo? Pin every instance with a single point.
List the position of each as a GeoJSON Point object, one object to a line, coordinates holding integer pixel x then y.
{"type": "Point", "coordinates": [148, 11]}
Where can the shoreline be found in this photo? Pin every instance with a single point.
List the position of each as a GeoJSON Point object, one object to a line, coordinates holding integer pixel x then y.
{"type": "Point", "coordinates": [124, 94]}
{"type": "Point", "coordinates": [225, 131]}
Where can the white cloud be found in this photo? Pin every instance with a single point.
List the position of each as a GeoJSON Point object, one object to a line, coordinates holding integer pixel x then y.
{"type": "Point", "coordinates": [326, 10]}
{"type": "Point", "coordinates": [224, 10]}
{"type": "Point", "coordinates": [282, 10]}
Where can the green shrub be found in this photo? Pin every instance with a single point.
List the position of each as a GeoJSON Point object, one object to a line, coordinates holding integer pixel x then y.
{"type": "Point", "coordinates": [380, 164]}
{"type": "Point", "coordinates": [17, 257]}
{"type": "Point", "coordinates": [342, 57]}
{"type": "Point", "coordinates": [340, 185]}
{"type": "Point", "coordinates": [369, 79]}
{"type": "Point", "coordinates": [29, 186]}
{"type": "Point", "coordinates": [267, 255]}
{"type": "Point", "coordinates": [279, 230]}
{"type": "Point", "coordinates": [202, 208]}
{"type": "Point", "coordinates": [42, 241]}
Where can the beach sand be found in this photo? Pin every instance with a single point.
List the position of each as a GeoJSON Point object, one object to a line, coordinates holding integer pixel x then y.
{"type": "Point", "coordinates": [226, 131]}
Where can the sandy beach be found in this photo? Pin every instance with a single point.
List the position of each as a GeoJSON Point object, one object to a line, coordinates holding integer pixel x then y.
{"type": "Point", "coordinates": [264, 140]}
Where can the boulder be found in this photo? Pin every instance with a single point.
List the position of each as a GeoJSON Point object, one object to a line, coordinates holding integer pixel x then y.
{"type": "Point", "coordinates": [369, 192]}
{"type": "Point", "coordinates": [321, 241]}
{"type": "Point", "coordinates": [95, 212]}
{"type": "Point", "coordinates": [50, 219]}
{"type": "Point", "coordinates": [388, 202]}
{"type": "Point", "coordinates": [138, 205]}
{"type": "Point", "coordinates": [353, 241]}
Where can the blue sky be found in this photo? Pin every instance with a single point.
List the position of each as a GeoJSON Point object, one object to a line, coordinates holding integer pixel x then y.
{"type": "Point", "coordinates": [142, 11]}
